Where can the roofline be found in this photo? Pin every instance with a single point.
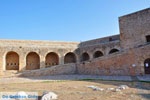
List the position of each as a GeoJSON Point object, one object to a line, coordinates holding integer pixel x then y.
{"type": "Point", "coordinates": [147, 9]}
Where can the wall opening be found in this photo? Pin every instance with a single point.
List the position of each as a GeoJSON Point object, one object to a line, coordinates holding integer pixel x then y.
{"type": "Point", "coordinates": [12, 61]}
{"type": "Point", "coordinates": [113, 51]}
{"type": "Point", "coordinates": [32, 61]}
{"type": "Point", "coordinates": [70, 58]}
{"type": "Point", "coordinates": [147, 66]}
{"type": "Point", "coordinates": [110, 39]}
{"type": "Point", "coordinates": [52, 59]}
{"type": "Point", "coordinates": [148, 38]}
{"type": "Point", "coordinates": [98, 54]}
{"type": "Point", "coordinates": [85, 57]}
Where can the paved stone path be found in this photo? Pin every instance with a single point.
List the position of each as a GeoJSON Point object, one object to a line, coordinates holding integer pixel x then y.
{"type": "Point", "coordinates": [72, 77]}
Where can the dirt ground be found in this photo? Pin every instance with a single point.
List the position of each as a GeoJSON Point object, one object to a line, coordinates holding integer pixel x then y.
{"type": "Point", "coordinates": [78, 90]}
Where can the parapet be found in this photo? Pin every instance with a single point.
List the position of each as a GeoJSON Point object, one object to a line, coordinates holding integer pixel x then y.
{"type": "Point", "coordinates": [100, 41]}
{"type": "Point", "coordinates": [38, 43]}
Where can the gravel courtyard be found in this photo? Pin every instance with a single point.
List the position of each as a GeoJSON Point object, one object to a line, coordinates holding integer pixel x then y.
{"type": "Point", "coordinates": [74, 87]}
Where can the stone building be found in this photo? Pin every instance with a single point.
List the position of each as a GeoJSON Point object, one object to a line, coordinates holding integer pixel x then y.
{"type": "Point", "coordinates": [124, 54]}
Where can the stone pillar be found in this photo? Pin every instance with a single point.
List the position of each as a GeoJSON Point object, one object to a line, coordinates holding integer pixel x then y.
{"type": "Point", "coordinates": [61, 60]}
{"type": "Point", "coordinates": [106, 52]}
{"type": "Point", "coordinates": [91, 56]}
{"type": "Point", "coordinates": [142, 68]}
{"type": "Point", "coordinates": [42, 62]}
{"type": "Point", "coordinates": [22, 62]}
{"type": "Point", "coordinates": [77, 58]}
{"type": "Point", "coordinates": [2, 63]}
{"type": "Point", "coordinates": [1, 67]}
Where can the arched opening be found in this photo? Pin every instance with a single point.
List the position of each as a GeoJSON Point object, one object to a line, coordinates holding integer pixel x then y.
{"type": "Point", "coordinates": [147, 66]}
{"type": "Point", "coordinates": [85, 57]}
{"type": "Point", "coordinates": [12, 61]}
{"type": "Point", "coordinates": [97, 54]}
{"type": "Point", "coordinates": [32, 61]}
{"type": "Point", "coordinates": [52, 59]}
{"type": "Point", "coordinates": [70, 58]}
{"type": "Point", "coordinates": [113, 51]}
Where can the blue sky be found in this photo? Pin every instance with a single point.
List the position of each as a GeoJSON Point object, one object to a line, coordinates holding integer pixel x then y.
{"type": "Point", "coordinates": [63, 20]}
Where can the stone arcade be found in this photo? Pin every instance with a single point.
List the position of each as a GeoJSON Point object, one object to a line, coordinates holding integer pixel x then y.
{"type": "Point", "coordinates": [124, 54]}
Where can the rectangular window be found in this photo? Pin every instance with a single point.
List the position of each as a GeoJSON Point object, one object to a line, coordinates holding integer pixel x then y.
{"type": "Point", "coordinates": [148, 38]}
{"type": "Point", "coordinates": [110, 39]}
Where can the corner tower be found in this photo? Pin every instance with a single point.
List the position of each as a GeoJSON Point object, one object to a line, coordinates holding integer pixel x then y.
{"type": "Point", "coordinates": [135, 29]}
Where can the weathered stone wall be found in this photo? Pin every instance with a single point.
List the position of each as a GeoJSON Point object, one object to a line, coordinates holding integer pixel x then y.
{"type": "Point", "coordinates": [42, 48]}
{"type": "Point", "coordinates": [129, 62]}
{"type": "Point", "coordinates": [105, 48]}
{"type": "Point", "coordinates": [133, 28]}
{"type": "Point", "coordinates": [54, 70]}
{"type": "Point", "coordinates": [99, 41]}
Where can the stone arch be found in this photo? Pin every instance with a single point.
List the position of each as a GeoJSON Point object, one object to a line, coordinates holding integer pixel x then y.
{"type": "Point", "coordinates": [32, 61]}
{"type": "Point", "coordinates": [113, 51]}
{"type": "Point", "coordinates": [147, 66]}
{"type": "Point", "coordinates": [98, 54]}
{"type": "Point", "coordinates": [12, 61]}
{"type": "Point", "coordinates": [51, 59]}
{"type": "Point", "coordinates": [70, 58]}
{"type": "Point", "coordinates": [85, 56]}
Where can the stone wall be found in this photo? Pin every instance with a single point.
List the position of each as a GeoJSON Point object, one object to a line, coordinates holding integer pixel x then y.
{"type": "Point", "coordinates": [104, 48]}
{"type": "Point", "coordinates": [133, 28]}
{"type": "Point", "coordinates": [99, 41]}
{"type": "Point", "coordinates": [41, 48]}
{"type": "Point", "coordinates": [54, 70]}
{"type": "Point", "coordinates": [129, 62]}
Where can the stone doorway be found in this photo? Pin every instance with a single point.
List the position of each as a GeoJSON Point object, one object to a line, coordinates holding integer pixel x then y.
{"type": "Point", "coordinates": [52, 59]}
{"type": "Point", "coordinates": [147, 66]}
{"type": "Point", "coordinates": [12, 61]}
{"type": "Point", "coordinates": [70, 58]}
{"type": "Point", "coordinates": [85, 57]}
{"type": "Point", "coordinates": [32, 61]}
